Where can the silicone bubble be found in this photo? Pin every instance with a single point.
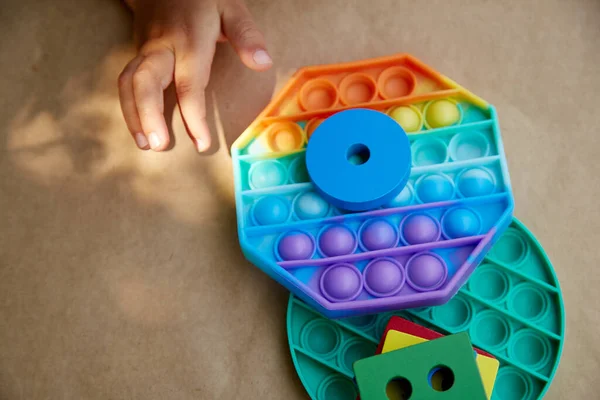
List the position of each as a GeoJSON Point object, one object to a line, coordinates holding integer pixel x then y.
{"type": "Point", "coordinates": [337, 240]}
{"type": "Point", "coordinates": [428, 151]}
{"type": "Point", "coordinates": [434, 187]}
{"type": "Point", "coordinates": [295, 245]}
{"type": "Point", "coordinates": [404, 198]}
{"type": "Point", "coordinates": [530, 349]}
{"type": "Point", "coordinates": [454, 315]}
{"type": "Point", "coordinates": [357, 88]}
{"type": "Point", "coordinates": [512, 384]}
{"type": "Point", "coordinates": [489, 283]}
{"type": "Point", "coordinates": [424, 312]}
{"type": "Point", "coordinates": [318, 94]}
{"type": "Point", "coordinates": [441, 113]}
{"type": "Point", "coordinates": [490, 330]}
{"type": "Point", "coordinates": [511, 248]}
{"type": "Point", "coordinates": [409, 117]}
{"type": "Point", "coordinates": [354, 350]}
{"type": "Point", "coordinates": [285, 136]}
{"type": "Point", "coordinates": [268, 173]}
{"type": "Point", "coordinates": [309, 205]}
{"type": "Point", "coordinates": [461, 222]}
{"type": "Point", "coordinates": [474, 182]}
{"type": "Point", "coordinates": [298, 172]}
{"type": "Point", "coordinates": [426, 271]}
{"type": "Point", "coordinates": [419, 228]}
{"type": "Point", "coordinates": [336, 387]}
{"type": "Point", "coordinates": [382, 321]}
{"type": "Point", "coordinates": [529, 302]}
{"type": "Point", "coordinates": [341, 282]}
{"type": "Point", "coordinates": [312, 125]}
{"type": "Point", "coordinates": [270, 210]}
{"type": "Point", "coordinates": [362, 321]}
{"type": "Point", "coordinates": [395, 82]}
{"type": "Point", "coordinates": [384, 277]}
{"type": "Point", "coordinates": [377, 234]}
{"type": "Point", "coordinates": [321, 337]}
{"type": "Point", "coordinates": [468, 145]}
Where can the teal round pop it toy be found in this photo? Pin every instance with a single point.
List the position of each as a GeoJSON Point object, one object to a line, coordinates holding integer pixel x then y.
{"type": "Point", "coordinates": [511, 306]}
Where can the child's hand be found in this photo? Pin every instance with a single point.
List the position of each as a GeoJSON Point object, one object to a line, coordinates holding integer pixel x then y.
{"type": "Point", "coordinates": [178, 40]}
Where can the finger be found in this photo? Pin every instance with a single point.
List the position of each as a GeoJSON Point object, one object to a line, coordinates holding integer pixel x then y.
{"type": "Point", "coordinates": [189, 86]}
{"type": "Point", "coordinates": [245, 37]}
{"type": "Point", "coordinates": [128, 106]}
{"type": "Point", "coordinates": [192, 70]}
{"type": "Point", "coordinates": [150, 79]}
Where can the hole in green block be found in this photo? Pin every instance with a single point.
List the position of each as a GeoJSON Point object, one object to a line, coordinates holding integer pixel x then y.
{"type": "Point", "coordinates": [441, 378]}
{"type": "Point", "coordinates": [398, 389]}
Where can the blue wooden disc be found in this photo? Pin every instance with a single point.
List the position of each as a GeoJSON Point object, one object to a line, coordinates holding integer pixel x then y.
{"type": "Point", "coordinates": [359, 159]}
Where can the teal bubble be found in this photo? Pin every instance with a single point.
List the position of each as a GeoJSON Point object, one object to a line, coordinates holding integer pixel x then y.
{"type": "Point", "coordinates": [271, 210]}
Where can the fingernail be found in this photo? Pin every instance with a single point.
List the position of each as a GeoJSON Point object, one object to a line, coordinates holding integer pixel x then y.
{"type": "Point", "coordinates": [261, 57]}
{"type": "Point", "coordinates": [154, 140]}
{"type": "Point", "coordinates": [201, 146]}
{"type": "Point", "coordinates": [140, 140]}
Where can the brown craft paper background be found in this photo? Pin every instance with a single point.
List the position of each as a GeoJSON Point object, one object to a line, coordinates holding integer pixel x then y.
{"type": "Point", "coordinates": [120, 271]}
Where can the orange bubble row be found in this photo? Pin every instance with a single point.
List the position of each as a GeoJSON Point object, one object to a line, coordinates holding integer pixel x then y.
{"type": "Point", "coordinates": [357, 88]}
{"type": "Point", "coordinates": [286, 136]}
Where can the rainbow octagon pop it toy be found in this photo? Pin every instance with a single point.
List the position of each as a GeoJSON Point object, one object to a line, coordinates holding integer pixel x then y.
{"type": "Point", "coordinates": [371, 186]}
{"type": "Point", "coordinates": [512, 308]}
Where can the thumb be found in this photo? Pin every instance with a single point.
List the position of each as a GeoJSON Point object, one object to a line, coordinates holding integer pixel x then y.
{"type": "Point", "coordinates": [245, 37]}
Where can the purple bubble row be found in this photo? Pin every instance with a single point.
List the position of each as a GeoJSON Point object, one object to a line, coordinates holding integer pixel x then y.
{"type": "Point", "coordinates": [378, 234]}
{"type": "Point", "coordinates": [383, 277]}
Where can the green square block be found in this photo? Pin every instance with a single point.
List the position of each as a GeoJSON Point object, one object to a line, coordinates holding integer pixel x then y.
{"type": "Point", "coordinates": [415, 363]}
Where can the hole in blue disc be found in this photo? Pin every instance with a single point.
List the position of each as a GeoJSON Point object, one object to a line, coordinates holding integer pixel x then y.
{"type": "Point", "coordinates": [358, 154]}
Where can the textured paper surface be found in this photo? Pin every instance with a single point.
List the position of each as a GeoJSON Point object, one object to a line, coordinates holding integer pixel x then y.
{"type": "Point", "coordinates": [120, 271]}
